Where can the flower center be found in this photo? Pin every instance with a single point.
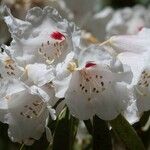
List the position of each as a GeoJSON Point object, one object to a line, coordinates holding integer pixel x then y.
{"type": "Point", "coordinates": [54, 48]}
{"type": "Point", "coordinates": [72, 66]}
{"type": "Point", "coordinates": [92, 82]}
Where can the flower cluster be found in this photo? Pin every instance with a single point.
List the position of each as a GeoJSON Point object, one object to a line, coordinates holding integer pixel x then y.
{"type": "Point", "coordinates": [48, 61]}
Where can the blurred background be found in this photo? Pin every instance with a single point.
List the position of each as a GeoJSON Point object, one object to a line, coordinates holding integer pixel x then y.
{"type": "Point", "coordinates": [99, 19]}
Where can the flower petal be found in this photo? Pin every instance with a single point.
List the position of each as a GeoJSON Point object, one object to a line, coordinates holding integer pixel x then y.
{"type": "Point", "coordinates": [112, 102]}
{"type": "Point", "coordinates": [37, 43]}
{"type": "Point", "coordinates": [39, 74]}
{"type": "Point", "coordinates": [138, 43]}
{"type": "Point", "coordinates": [25, 108]}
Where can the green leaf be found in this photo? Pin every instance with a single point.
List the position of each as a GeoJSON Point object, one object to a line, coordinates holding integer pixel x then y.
{"type": "Point", "coordinates": [144, 2]}
{"type": "Point", "coordinates": [101, 135]}
{"type": "Point", "coordinates": [126, 133]}
{"type": "Point", "coordinates": [89, 126]}
{"type": "Point", "coordinates": [65, 132]}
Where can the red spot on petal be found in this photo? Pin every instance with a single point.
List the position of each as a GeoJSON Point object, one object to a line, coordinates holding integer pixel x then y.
{"type": "Point", "coordinates": [90, 64]}
{"type": "Point", "coordinates": [140, 28]}
{"type": "Point", "coordinates": [57, 35]}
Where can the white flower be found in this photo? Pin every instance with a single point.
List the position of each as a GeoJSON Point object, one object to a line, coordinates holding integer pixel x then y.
{"type": "Point", "coordinates": [43, 37]}
{"type": "Point", "coordinates": [138, 43]}
{"type": "Point", "coordinates": [24, 110]}
{"type": "Point", "coordinates": [39, 43]}
{"type": "Point", "coordinates": [142, 90]}
{"type": "Point", "coordinates": [38, 74]}
{"type": "Point", "coordinates": [134, 51]}
{"type": "Point", "coordinates": [96, 86]}
{"type": "Point", "coordinates": [9, 69]}
{"type": "Point", "coordinates": [128, 21]}
{"type": "Point", "coordinates": [139, 64]}
{"type": "Point", "coordinates": [19, 9]}
{"type": "Point", "coordinates": [96, 23]}
{"type": "Point", "coordinates": [80, 14]}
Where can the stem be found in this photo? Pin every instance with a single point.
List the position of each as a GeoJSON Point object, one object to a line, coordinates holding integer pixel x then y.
{"type": "Point", "coordinates": [21, 148]}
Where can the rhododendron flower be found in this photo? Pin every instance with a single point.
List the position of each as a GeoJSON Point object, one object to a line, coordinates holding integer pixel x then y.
{"type": "Point", "coordinates": [134, 52]}
{"type": "Point", "coordinates": [140, 84]}
{"type": "Point", "coordinates": [128, 21]}
{"type": "Point", "coordinates": [137, 43]}
{"type": "Point", "coordinates": [40, 42]}
{"type": "Point", "coordinates": [43, 37]}
{"type": "Point", "coordinates": [97, 23]}
{"type": "Point", "coordinates": [25, 110]}
{"type": "Point", "coordinates": [142, 90]}
{"type": "Point", "coordinates": [93, 84]}
{"type": "Point", "coordinates": [9, 68]}
{"type": "Point", "coordinates": [38, 74]}
{"type": "Point", "coordinates": [80, 14]}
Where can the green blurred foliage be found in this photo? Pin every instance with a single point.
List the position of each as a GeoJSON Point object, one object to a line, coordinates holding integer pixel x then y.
{"type": "Point", "coordinates": [123, 3]}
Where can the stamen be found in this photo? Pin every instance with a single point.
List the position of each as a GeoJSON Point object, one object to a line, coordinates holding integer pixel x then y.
{"type": "Point", "coordinates": [105, 42]}
{"type": "Point", "coordinates": [72, 66]}
{"type": "Point", "coordinates": [140, 92]}
{"type": "Point", "coordinates": [110, 51]}
{"type": "Point", "coordinates": [50, 61]}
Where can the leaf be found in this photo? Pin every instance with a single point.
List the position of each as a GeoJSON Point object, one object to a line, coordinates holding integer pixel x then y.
{"type": "Point", "coordinates": [89, 126]}
{"type": "Point", "coordinates": [65, 132]}
{"type": "Point", "coordinates": [126, 133]}
{"type": "Point", "coordinates": [101, 135]}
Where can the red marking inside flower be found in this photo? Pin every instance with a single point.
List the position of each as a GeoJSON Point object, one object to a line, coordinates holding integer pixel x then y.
{"type": "Point", "coordinates": [140, 28]}
{"type": "Point", "coordinates": [57, 35]}
{"type": "Point", "coordinates": [90, 64]}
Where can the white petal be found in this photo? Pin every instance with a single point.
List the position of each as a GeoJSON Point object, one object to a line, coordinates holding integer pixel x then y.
{"type": "Point", "coordinates": [95, 87]}
{"type": "Point", "coordinates": [96, 54]}
{"type": "Point", "coordinates": [15, 25]}
{"type": "Point", "coordinates": [25, 108]}
{"type": "Point", "coordinates": [49, 135]}
{"type": "Point", "coordinates": [128, 21]}
{"type": "Point", "coordinates": [82, 12]}
{"type": "Point", "coordinates": [39, 74]}
{"type": "Point", "coordinates": [63, 76]}
{"type": "Point", "coordinates": [52, 112]}
{"type": "Point", "coordinates": [131, 113]}
{"type": "Point", "coordinates": [96, 23]}
{"type": "Point", "coordinates": [9, 69]}
{"type": "Point", "coordinates": [78, 103]}
{"type": "Point", "coordinates": [112, 102]}
{"type": "Point", "coordinates": [138, 43]}
{"type": "Point", "coordinates": [136, 63]}
{"type": "Point", "coordinates": [142, 90]}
